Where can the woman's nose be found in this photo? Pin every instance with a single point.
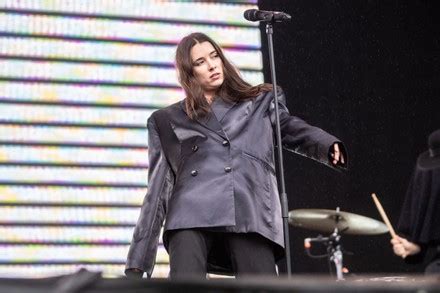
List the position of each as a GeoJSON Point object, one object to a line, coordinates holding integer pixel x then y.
{"type": "Point", "coordinates": [211, 65]}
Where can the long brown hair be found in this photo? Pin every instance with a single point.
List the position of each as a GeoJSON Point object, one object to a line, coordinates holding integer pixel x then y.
{"type": "Point", "coordinates": [233, 89]}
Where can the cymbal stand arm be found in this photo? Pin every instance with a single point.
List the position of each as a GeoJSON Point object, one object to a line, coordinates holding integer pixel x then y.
{"type": "Point", "coordinates": [335, 254]}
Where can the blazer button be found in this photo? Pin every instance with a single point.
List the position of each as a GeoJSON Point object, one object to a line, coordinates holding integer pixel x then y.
{"type": "Point", "coordinates": [225, 143]}
{"type": "Point", "coordinates": [194, 173]}
{"type": "Point", "coordinates": [195, 148]}
{"type": "Point", "coordinates": [228, 169]}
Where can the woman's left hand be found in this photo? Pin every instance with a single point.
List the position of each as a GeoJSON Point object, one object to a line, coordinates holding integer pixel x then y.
{"type": "Point", "coordinates": [337, 155]}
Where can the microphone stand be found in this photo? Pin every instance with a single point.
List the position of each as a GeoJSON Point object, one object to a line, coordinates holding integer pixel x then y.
{"type": "Point", "coordinates": [283, 195]}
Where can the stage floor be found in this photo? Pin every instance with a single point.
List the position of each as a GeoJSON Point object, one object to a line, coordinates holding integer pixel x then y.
{"type": "Point", "coordinates": [85, 281]}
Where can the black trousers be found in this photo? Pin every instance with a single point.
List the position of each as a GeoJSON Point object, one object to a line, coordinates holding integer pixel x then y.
{"type": "Point", "coordinates": [250, 253]}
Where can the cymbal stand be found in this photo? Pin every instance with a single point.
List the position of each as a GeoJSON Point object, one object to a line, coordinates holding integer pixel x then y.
{"type": "Point", "coordinates": [334, 249]}
{"type": "Point", "coordinates": [335, 253]}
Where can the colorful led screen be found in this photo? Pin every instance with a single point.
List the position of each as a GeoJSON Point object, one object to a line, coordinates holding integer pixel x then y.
{"type": "Point", "coordinates": [78, 81]}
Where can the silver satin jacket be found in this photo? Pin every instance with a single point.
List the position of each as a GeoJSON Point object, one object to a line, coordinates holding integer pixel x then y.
{"type": "Point", "coordinates": [218, 173]}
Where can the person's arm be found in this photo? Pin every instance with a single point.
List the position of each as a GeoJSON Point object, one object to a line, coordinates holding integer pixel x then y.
{"type": "Point", "coordinates": [403, 248]}
{"type": "Point", "coordinates": [307, 140]}
{"type": "Point", "coordinates": [143, 248]}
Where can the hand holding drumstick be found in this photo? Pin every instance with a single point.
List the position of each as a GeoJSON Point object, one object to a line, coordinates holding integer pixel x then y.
{"type": "Point", "coordinates": [401, 246]}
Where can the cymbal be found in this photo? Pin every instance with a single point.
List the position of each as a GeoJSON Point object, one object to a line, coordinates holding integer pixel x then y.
{"type": "Point", "coordinates": [326, 220]}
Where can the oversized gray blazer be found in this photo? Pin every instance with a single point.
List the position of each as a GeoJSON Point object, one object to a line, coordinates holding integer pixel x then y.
{"type": "Point", "coordinates": [218, 173]}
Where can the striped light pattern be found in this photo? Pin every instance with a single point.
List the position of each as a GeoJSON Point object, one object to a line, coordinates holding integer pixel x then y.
{"type": "Point", "coordinates": [65, 234]}
{"type": "Point", "coordinates": [88, 95]}
{"type": "Point", "coordinates": [139, 53]}
{"type": "Point", "coordinates": [77, 155]}
{"type": "Point", "coordinates": [32, 112]}
{"type": "Point", "coordinates": [121, 30]}
{"type": "Point", "coordinates": [78, 81]}
{"type": "Point", "coordinates": [218, 13]}
{"type": "Point", "coordinates": [88, 195]}
{"type": "Point", "coordinates": [72, 134]}
{"type": "Point", "coordinates": [101, 73]}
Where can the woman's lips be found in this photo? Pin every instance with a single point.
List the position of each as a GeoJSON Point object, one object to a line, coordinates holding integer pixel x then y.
{"type": "Point", "coordinates": [215, 76]}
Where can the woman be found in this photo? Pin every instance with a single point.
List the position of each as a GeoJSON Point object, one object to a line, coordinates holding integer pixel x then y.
{"type": "Point", "coordinates": [212, 173]}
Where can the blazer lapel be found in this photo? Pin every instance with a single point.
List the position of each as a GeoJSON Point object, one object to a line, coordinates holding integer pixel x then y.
{"type": "Point", "coordinates": [221, 108]}
{"type": "Point", "coordinates": [210, 122]}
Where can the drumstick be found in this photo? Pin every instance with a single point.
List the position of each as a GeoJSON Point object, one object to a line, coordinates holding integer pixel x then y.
{"type": "Point", "coordinates": [384, 215]}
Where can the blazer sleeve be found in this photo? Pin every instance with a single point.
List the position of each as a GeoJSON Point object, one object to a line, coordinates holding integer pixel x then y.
{"type": "Point", "coordinates": [302, 138]}
{"type": "Point", "coordinates": [143, 247]}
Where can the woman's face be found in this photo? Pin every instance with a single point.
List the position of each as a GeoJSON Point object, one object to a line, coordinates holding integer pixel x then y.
{"type": "Point", "coordinates": [207, 67]}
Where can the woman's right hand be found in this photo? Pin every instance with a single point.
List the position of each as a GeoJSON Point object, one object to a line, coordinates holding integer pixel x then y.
{"type": "Point", "coordinates": [134, 273]}
{"type": "Point", "coordinates": [402, 247]}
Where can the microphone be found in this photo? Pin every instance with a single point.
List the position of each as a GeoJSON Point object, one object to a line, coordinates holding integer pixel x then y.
{"type": "Point", "coordinates": [261, 15]}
